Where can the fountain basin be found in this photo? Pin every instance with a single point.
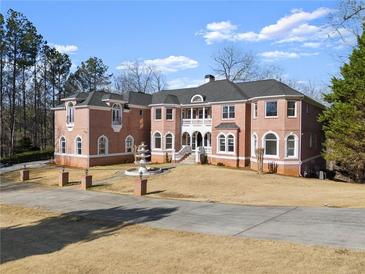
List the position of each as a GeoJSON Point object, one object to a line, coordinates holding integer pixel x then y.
{"type": "Point", "coordinates": [147, 172]}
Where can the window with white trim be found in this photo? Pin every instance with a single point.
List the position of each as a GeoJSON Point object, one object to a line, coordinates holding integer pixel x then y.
{"type": "Point", "coordinates": [228, 112]}
{"type": "Point", "coordinates": [290, 146]}
{"type": "Point", "coordinates": [158, 114]}
{"type": "Point", "coordinates": [169, 114]}
{"type": "Point", "coordinates": [230, 143]}
{"type": "Point", "coordinates": [254, 145]}
{"type": "Point", "coordinates": [102, 145]}
{"type": "Point", "coordinates": [291, 108]}
{"type": "Point", "coordinates": [63, 145]}
{"type": "Point", "coordinates": [271, 109]}
{"type": "Point", "coordinates": [116, 114]}
{"type": "Point", "coordinates": [70, 110]}
{"type": "Point", "coordinates": [157, 140]}
{"type": "Point", "coordinates": [255, 110]}
{"type": "Point", "coordinates": [168, 141]}
{"type": "Point", "coordinates": [129, 143]}
{"type": "Point", "coordinates": [222, 143]}
{"type": "Point", "coordinates": [197, 99]}
{"type": "Point", "coordinates": [271, 144]}
{"type": "Point", "coordinates": [78, 145]}
{"type": "Point", "coordinates": [207, 139]}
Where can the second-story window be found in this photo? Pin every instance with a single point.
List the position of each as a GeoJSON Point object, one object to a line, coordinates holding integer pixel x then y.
{"type": "Point", "coordinates": [271, 109]}
{"type": "Point", "coordinates": [117, 114]}
{"type": "Point", "coordinates": [169, 114]}
{"type": "Point", "coordinates": [158, 113]}
{"type": "Point", "coordinates": [70, 113]}
{"type": "Point", "coordinates": [291, 109]}
{"type": "Point", "coordinates": [254, 111]}
{"type": "Point", "coordinates": [228, 112]}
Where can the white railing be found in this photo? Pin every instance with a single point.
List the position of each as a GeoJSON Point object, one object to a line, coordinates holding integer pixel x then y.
{"type": "Point", "coordinates": [197, 122]}
{"type": "Point", "coordinates": [177, 156]}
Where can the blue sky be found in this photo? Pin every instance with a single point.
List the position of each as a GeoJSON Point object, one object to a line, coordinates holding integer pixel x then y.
{"type": "Point", "coordinates": [179, 38]}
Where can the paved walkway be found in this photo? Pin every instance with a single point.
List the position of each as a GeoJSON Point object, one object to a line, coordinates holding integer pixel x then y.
{"type": "Point", "coordinates": [338, 227]}
{"type": "Point", "coordinates": [20, 166]}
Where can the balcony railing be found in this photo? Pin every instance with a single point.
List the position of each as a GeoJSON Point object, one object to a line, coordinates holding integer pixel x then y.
{"type": "Point", "coordinates": [117, 121]}
{"type": "Point", "coordinates": [197, 122]}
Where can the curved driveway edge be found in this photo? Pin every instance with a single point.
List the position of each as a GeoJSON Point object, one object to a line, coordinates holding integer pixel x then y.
{"type": "Point", "coordinates": [338, 227]}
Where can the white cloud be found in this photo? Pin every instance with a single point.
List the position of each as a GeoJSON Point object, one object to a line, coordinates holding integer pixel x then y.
{"type": "Point", "coordinates": [69, 49]}
{"type": "Point", "coordinates": [290, 28]}
{"type": "Point", "coordinates": [184, 82]}
{"type": "Point", "coordinates": [312, 45]}
{"type": "Point", "coordinates": [169, 64]}
{"type": "Point", "coordinates": [275, 55]}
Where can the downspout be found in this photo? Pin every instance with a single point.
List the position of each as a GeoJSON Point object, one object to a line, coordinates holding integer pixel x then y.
{"type": "Point", "coordinates": [300, 137]}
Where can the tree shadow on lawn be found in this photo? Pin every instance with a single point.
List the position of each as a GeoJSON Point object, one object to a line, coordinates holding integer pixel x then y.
{"type": "Point", "coordinates": [54, 233]}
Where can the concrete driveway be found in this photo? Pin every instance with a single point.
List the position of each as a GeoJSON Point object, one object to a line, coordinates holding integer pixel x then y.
{"type": "Point", "coordinates": [338, 227]}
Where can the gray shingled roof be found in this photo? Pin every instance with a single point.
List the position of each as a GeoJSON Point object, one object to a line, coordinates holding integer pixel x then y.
{"type": "Point", "coordinates": [227, 126]}
{"type": "Point", "coordinates": [215, 91]}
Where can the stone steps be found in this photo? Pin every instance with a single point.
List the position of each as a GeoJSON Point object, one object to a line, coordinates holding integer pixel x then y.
{"type": "Point", "coordinates": [190, 160]}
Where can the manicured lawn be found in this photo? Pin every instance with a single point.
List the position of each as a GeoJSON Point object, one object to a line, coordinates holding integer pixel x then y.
{"type": "Point", "coordinates": [38, 241]}
{"type": "Point", "coordinates": [219, 184]}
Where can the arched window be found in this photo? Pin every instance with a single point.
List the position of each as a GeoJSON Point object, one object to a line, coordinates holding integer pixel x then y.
{"type": "Point", "coordinates": [207, 139]}
{"type": "Point", "coordinates": [230, 143]}
{"type": "Point", "coordinates": [63, 145]}
{"type": "Point", "coordinates": [102, 145]}
{"type": "Point", "coordinates": [157, 140]}
{"type": "Point", "coordinates": [168, 141]}
{"type": "Point", "coordinates": [221, 143]}
{"type": "Point", "coordinates": [271, 145]}
{"type": "Point", "coordinates": [291, 146]}
{"type": "Point", "coordinates": [253, 145]}
{"type": "Point", "coordinates": [186, 139]}
{"type": "Point", "coordinates": [70, 113]}
{"type": "Point", "coordinates": [78, 145]}
{"type": "Point", "coordinates": [197, 99]}
{"type": "Point", "coordinates": [116, 114]}
{"type": "Point", "coordinates": [129, 144]}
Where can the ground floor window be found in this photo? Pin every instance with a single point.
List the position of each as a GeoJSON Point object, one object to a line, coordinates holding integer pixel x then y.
{"type": "Point", "coordinates": [102, 145]}
{"type": "Point", "coordinates": [129, 143]}
{"type": "Point", "coordinates": [168, 141]}
{"type": "Point", "coordinates": [78, 145]}
{"type": "Point", "coordinates": [186, 139]}
{"type": "Point", "coordinates": [63, 145]}
{"type": "Point", "coordinates": [157, 140]}
{"type": "Point", "coordinates": [271, 142]}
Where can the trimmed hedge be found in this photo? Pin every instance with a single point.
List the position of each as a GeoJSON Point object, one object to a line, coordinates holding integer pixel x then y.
{"type": "Point", "coordinates": [28, 156]}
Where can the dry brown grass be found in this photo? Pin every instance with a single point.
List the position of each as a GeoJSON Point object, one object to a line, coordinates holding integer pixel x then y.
{"type": "Point", "coordinates": [51, 243]}
{"type": "Point", "coordinates": [48, 175]}
{"type": "Point", "coordinates": [219, 184]}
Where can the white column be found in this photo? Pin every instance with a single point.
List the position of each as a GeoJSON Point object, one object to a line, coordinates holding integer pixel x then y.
{"type": "Point", "coordinates": [203, 115]}
{"type": "Point", "coordinates": [191, 116]}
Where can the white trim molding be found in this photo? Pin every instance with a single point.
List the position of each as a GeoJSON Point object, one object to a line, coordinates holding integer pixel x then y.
{"type": "Point", "coordinates": [106, 145]}
{"type": "Point", "coordinates": [296, 142]}
{"type": "Point", "coordinates": [125, 143]}
{"type": "Point", "coordinates": [263, 143]}
{"type": "Point", "coordinates": [173, 141]}
{"type": "Point", "coordinates": [153, 140]}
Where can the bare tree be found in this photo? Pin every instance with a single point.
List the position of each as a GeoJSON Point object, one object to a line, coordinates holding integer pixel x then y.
{"type": "Point", "coordinates": [350, 16]}
{"type": "Point", "coordinates": [139, 77]}
{"type": "Point", "coordinates": [309, 88]}
{"type": "Point", "coordinates": [235, 65]}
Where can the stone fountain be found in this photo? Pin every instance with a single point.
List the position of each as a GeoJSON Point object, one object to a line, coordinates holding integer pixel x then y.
{"type": "Point", "coordinates": [142, 169]}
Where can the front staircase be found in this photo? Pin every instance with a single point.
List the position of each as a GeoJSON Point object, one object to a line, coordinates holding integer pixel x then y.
{"type": "Point", "coordinates": [189, 160]}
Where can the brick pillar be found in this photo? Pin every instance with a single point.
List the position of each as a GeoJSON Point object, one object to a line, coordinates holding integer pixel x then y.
{"type": "Point", "coordinates": [63, 179]}
{"type": "Point", "coordinates": [86, 181]}
{"type": "Point", "coordinates": [140, 187]}
{"type": "Point", "coordinates": [24, 175]}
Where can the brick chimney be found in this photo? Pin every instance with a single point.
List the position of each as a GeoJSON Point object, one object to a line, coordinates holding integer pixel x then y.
{"type": "Point", "coordinates": [209, 78]}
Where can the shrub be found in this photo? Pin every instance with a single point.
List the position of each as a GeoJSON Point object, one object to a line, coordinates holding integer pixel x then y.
{"type": "Point", "coordinates": [28, 156]}
{"type": "Point", "coordinates": [220, 164]}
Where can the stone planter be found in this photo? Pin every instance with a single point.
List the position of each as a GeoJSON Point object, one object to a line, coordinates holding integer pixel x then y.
{"type": "Point", "coordinates": [140, 187]}
{"type": "Point", "coordinates": [24, 175]}
{"type": "Point", "coordinates": [86, 181]}
{"type": "Point", "coordinates": [63, 179]}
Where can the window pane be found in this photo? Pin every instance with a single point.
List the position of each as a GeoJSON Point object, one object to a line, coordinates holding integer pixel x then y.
{"type": "Point", "coordinates": [290, 146]}
{"type": "Point", "coordinates": [222, 143]}
{"type": "Point", "coordinates": [169, 114]}
{"type": "Point", "coordinates": [291, 108]}
{"type": "Point", "coordinates": [270, 147]}
{"type": "Point", "coordinates": [271, 109]}
{"type": "Point", "coordinates": [225, 112]}
{"type": "Point", "coordinates": [231, 112]}
{"type": "Point", "coordinates": [168, 141]}
{"type": "Point", "coordinates": [158, 114]}
{"type": "Point", "coordinates": [230, 143]}
{"type": "Point", "coordinates": [157, 141]}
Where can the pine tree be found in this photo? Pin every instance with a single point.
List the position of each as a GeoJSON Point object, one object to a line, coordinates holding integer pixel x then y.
{"type": "Point", "coordinates": [344, 120]}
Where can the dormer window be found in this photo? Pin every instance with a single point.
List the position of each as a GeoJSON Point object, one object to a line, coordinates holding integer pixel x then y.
{"type": "Point", "coordinates": [116, 115]}
{"type": "Point", "coordinates": [70, 109]}
{"type": "Point", "coordinates": [197, 99]}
